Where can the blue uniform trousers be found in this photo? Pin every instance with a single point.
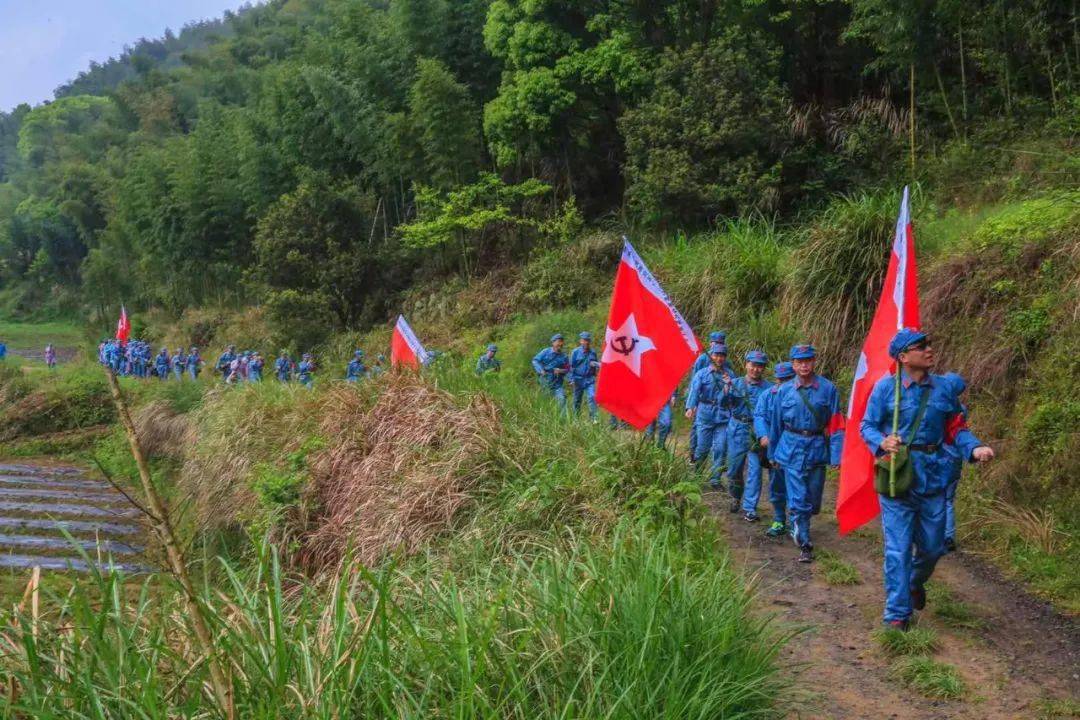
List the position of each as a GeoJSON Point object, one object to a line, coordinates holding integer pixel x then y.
{"type": "Point", "coordinates": [778, 494]}
{"type": "Point", "coordinates": [660, 427]}
{"type": "Point", "coordinates": [914, 530]}
{"type": "Point", "coordinates": [804, 489]}
{"type": "Point", "coordinates": [950, 500]}
{"type": "Point", "coordinates": [744, 467]}
{"type": "Point", "coordinates": [559, 393]}
{"type": "Point", "coordinates": [712, 443]}
{"type": "Point", "coordinates": [588, 393]}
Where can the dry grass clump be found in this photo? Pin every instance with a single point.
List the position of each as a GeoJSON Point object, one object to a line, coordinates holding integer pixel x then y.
{"type": "Point", "coordinates": [162, 431]}
{"type": "Point", "coordinates": [237, 429]}
{"type": "Point", "coordinates": [394, 473]}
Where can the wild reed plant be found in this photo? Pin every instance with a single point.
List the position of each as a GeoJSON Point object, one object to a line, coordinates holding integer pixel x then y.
{"type": "Point", "coordinates": [647, 624]}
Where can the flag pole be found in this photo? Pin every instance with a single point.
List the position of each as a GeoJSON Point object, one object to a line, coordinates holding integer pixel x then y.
{"type": "Point", "coordinates": [895, 429]}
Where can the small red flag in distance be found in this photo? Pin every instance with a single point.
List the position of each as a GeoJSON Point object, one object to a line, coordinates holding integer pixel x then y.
{"type": "Point", "coordinates": [648, 345]}
{"type": "Point", "coordinates": [123, 326]}
{"type": "Point", "coordinates": [856, 501]}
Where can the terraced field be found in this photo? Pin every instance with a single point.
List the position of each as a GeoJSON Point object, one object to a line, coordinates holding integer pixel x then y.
{"type": "Point", "coordinates": [57, 518]}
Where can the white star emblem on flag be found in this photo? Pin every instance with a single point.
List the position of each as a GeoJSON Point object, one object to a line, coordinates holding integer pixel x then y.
{"type": "Point", "coordinates": [625, 345]}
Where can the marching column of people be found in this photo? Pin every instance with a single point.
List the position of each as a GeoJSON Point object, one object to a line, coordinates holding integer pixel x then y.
{"type": "Point", "coordinates": [778, 435]}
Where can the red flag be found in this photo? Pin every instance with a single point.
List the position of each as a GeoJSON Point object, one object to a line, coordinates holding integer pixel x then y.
{"type": "Point", "coordinates": [856, 501]}
{"type": "Point", "coordinates": [648, 346]}
{"type": "Point", "coordinates": [123, 326]}
{"type": "Point", "coordinates": [405, 348]}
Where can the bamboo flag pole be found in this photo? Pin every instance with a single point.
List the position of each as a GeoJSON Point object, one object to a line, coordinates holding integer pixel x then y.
{"type": "Point", "coordinates": [159, 516]}
{"type": "Point", "coordinates": [895, 429]}
{"type": "Point", "coordinates": [911, 112]}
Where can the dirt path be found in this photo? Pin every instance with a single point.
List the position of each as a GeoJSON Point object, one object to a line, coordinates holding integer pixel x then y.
{"type": "Point", "coordinates": [1020, 656]}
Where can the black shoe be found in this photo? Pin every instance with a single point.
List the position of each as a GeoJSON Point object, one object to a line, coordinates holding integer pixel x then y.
{"type": "Point", "coordinates": [950, 544]}
{"type": "Point", "coordinates": [806, 554]}
{"type": "Point", "coordinates": [750, 516]}
{"type": "Point", "coordinates": [901, 625]}
{"type": "Point", "coordinates": [735, 506]}
{"type": "Point", "coordinates": [918, 598]}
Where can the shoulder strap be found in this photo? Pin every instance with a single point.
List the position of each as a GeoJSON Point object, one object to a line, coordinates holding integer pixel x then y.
{"type": "Point", "coordinates": [920, 413]}
{"type": "Point", "coordinates": [810, 407]}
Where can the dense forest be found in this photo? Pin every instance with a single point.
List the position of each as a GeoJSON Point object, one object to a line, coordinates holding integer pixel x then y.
{"type": "Point", "coordinates": [319, 156]}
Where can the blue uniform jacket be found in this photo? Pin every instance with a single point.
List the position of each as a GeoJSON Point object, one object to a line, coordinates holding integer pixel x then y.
{"type": "Point", "coordinates": [225, 360]}
{"type": "Point", "coordinates": [707, 394]}
{"type": "Point", "coordinates": [743, 399]}
{"type": "Point", "coordinates": [355, 370]}
{"type": "Point", "coordinates": [582, 371]}
{"type": "Point", "coordinates": [763, 409]}
{"type": "Point", "coordinates": [790, 416]}
{"type": "Point", "coordinates": [484, 363]}
{"type": "Point", "coordinates": [942, 424]}
{"type": "Point", "coordinates": [304, 370]}
{"type": "Point", "coordinates": [162, 362]}
{"type": "Point", "coordinates": [545, 362]}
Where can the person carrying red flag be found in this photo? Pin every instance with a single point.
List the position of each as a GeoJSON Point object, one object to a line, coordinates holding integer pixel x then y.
{"type": "Point", "coordinates": [648, 346]}
{"type": "Point", "coordinates": [898, 307]}
{"type": "Point", "coordinates": [928, 416]}
{"type": "Point", "coordinates": [806, 432]}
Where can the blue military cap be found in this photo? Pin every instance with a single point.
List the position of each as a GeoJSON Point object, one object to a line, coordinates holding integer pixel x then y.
{"type": "Point", "coordinates": [718, 336]}
{"type": "Point", "coordinates": [359, 353]}
{"type": "Point", "coordinates": [758, 357]}
{"type": "Point", "coordinates": [584, 335]}
{"type": "Point", "coordinates": [381, 357]}
{"type": "Point", "coordinates": [783, 370]}
{"type": "Point", "coordinates": [803, 352]}
{"type": "Point", "coordinates": [717, 347]}
{"type": "Point", "coordinates": [904, 339]}
{"type": "Point", "coordinates": [493, 348]}
{"type": "Point", "coordinates": [556, 336]}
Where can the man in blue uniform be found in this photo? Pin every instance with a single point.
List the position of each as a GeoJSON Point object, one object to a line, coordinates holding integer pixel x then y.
{"type": "Point", "coordinates": [488, 363]}
{"type": "Point", "coordinates": [954, 474]}
{"type": "Point", "coordinates": [806, 433]}
{"type": "Point", "coordinates": [551, 366]}
{"type": "Point", "coordinates": [742, 442]}
{"type": "Point", "coordinates": [224, 363]}
{"type": "Point", "coordinates": [706, 405]}
{"type": "Point", "coordinates": [716, 336]}
{"type": "Point", "coordinates": [583, 367]}
{"type": "Point", "coordinates": [194, 362]}
{"type": "Point", "coordinates": [161, 364]}
{"type": "Point", "coordinates": [930, 417]}
{"type": "Point", "coordinates": [661, 426]}
{"type": "Point", "coordinates": [283, 367]}
{"type": "Point", "coordinates": [255, 366]}
{"type": "Point", "coordinates": [762, 412]}
{"type": "Point", "coordinates": [179, 361]}
{"type": "Point", "coordinates": [305, 371]}
{"type": "Point", "coordinates": [377, 369]}
{"type": "Point", "coordinates": [356, 370]}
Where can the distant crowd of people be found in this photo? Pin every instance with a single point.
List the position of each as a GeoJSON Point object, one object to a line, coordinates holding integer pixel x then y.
{"type": "Point", "coordinates": [135, 358]}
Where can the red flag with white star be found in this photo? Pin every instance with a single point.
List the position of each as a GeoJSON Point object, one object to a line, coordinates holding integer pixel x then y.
{"type": "Point", "coordinates": [648, 346]}
{"type": "Point", "coordinates": [856, 501]}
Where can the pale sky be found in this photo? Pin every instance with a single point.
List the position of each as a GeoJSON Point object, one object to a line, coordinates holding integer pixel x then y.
{"type": "Point", "coordinates": [45, 43]}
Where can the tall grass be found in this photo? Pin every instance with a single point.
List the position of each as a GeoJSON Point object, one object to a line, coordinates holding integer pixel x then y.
{"type": "Point", "coordinates": [646, 624]}
{"type": "Point", "coordinates": [833, 279]}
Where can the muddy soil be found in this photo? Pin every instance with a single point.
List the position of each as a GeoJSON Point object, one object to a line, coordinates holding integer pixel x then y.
{"type": "Point", "coordinates": [1022, 654]}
